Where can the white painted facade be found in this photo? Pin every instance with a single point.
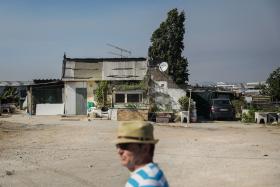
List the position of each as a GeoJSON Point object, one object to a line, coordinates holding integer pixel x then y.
{"type": "Point", "coordinates": [176, 94]}
{"type": "Point", "coordinates": [168, 96]}
{"type": "Point", "coordinates": [50, 109]}
{"type": "Point", "coordinates": [70, 96]}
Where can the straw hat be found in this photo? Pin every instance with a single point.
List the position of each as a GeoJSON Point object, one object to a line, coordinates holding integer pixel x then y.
{"type": "Point", "coordinates": [135, 132]}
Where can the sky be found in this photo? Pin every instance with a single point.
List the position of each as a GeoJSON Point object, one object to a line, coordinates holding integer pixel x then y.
{"type": "Point", "coordinates": [225, 40]}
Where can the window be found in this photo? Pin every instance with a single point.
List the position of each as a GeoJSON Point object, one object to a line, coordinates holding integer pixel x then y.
{"type": "Point", "coordinates": [120, 98]}
{"type": "Point", "coordinates": [128, 97]}
{"type": "Point", "coordinates": [134, 98]}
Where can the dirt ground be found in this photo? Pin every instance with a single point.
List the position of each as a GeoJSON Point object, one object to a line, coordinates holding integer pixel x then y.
{"type": "Point", "coordinates": [51, 151]}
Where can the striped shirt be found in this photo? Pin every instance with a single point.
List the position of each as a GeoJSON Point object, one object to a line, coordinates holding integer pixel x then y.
{"type": "Point", "coordinates": [148, 176]}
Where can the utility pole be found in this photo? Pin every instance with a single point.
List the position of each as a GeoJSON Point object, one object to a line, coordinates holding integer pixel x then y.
{"type": "Point", "coordinates": [189, 107]}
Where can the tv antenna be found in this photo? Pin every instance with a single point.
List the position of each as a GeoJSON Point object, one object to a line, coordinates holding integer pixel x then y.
{"type": "Point", "coordinates": [115, 54]}
{"type": "Point", "coordinates": [122, 50]}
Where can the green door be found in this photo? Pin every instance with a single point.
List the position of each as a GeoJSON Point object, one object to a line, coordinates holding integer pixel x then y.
{"type": "Point", "coordinates": [81, 101]}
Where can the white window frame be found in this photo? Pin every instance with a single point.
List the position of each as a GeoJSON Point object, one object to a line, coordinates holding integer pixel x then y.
{"type": "Point", "coordinates": [125, 96]}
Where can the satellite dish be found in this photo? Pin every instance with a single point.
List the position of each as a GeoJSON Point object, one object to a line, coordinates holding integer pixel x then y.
{"type": "Point", "coordinates": [163, 66]}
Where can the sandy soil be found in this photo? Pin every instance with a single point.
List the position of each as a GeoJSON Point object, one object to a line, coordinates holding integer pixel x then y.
{"type": "Point", "coordinates": [49, 151]}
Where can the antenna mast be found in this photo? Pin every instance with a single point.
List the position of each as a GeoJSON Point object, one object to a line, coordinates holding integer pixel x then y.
{"type": "Point", "coordinates": [122, 50]}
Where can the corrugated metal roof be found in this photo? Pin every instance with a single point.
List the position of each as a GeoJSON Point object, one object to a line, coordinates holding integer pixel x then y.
{"type": "Point", "coordinates": [15, 83]}
{"type": "Point", "coordinates": [37, 81]}
{"type": "Point", "coordinates": [96, 60]}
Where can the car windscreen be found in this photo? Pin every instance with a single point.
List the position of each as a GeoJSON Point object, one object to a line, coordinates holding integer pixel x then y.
{"type": "Point", "coordinates": [221, 102]}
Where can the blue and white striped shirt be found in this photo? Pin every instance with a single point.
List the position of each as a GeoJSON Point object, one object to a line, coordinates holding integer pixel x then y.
{"type": "Point", "coordinates": [148, 176]}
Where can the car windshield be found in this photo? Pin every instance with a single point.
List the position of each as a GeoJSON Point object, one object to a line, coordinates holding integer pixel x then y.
{"type": "Point", "coordinates": [221, 102]}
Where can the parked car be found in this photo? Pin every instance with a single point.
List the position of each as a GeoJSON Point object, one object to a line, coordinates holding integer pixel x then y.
{"type": "Point", "coordinates": [221, 108]}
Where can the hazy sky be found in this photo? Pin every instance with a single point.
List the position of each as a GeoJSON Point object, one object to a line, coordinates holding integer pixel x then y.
{"type": "Point", "coordinates": [225, 40]}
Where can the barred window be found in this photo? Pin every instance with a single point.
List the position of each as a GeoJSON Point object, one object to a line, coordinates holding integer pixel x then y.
{"type": "Point", "coordinates": [134, 98]}
{"type": "Point", "coordinates": [120, 98]}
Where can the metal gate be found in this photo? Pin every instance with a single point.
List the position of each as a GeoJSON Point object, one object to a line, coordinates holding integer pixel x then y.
{"type": "Point", "coordinates": [81, 101]}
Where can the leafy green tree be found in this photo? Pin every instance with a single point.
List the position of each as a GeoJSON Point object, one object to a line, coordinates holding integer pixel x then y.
{"type": "Point", "coordinates": [101, 93]}
{"type": "Point", "coordinates": [263, 89]}
{"type": "Point", "coordinates": [9, 93]}
{"type": "Point", "coordinates": [184, 102]}
{"type": "Point", "coordinates": [273, 85]}
{"type": "Point", "coordinates": [167, 45]}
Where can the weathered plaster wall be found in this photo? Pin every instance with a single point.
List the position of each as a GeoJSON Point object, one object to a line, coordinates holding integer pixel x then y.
{"type": "Point", "coordinates": [91, 87]}
{"type": "Point", "coordinates": [92, 71]}
{"type": "Point", "coordinates": [167, 98]}
{"type": "Point", "coordinates": [131, 70]}
{"type": "Point", "coordinates": [70, 96]}
{"type": "Point", "coordinates": [175, 94]}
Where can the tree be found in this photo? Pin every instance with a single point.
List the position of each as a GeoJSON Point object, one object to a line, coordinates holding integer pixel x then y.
{"type": "Point", "coordinates": [167, 45]}
{"type": "Point", "coordinates": [273, 85]}
{"type": "Point", "coordinates": [101, 93]}
{"type": "Point", "coordinates": [184, 103]}
{"type": "Point", "coordinates": [9, 94]}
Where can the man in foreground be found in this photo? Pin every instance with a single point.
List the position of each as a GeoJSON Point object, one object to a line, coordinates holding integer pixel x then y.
{"type": "Point", "coordinates": [136, 144]}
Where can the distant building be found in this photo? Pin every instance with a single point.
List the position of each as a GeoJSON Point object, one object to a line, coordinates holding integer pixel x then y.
{"type": "Point", "coordinates": [253, 88]}
{"type": "Point", "coordinates": [248, 89]}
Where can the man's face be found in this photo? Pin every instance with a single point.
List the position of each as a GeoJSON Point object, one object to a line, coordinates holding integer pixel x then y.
{"type": "Point", "coordinates": [131, 154]}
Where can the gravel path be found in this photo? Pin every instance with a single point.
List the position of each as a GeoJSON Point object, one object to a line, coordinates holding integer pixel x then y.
{"type": "Point", "coordinates": [55, 151]}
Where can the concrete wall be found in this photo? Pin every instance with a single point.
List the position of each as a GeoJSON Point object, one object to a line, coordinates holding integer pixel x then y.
{"type": "Point", "coordinates": [70, 96]}
{"type": "Point", "coordinates": [50, 109]}
{"type": "Point", "coordinates": [175, 94]}
{"type": "Point", "coordinates": [167, 97]}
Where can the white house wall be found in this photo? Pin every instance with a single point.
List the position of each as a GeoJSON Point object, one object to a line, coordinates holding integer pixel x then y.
{"type": "Point", "coordinates": [176, 94]}
{"type": "Point", "coordinates": [161, 86]}
{"type": "Point", "coordinates": [70, 96]}
{"type": "Point", "coordinates": [50, 109]}
{"type": "Point", "coordinates": [168, 96]}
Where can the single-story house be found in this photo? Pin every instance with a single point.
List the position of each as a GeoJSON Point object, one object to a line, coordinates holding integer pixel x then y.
{"type": "Point", "coordinates": [82, 78]}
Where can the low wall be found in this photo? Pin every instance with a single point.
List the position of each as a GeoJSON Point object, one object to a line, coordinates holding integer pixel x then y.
{"type": "Point", "coordinates": [132, 114]}
{"type": "Point", "coordinates": [50, 109]}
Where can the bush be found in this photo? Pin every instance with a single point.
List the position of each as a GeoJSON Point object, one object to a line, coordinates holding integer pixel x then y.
{"type": "Point", "coordinates": [238, 104]}
{"type": "Point", "coordinates": [249, 117]}
{"type": "Point", "coordinates": [101, 93]}
{"type": "Point", "coordinates": [184, 102]}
